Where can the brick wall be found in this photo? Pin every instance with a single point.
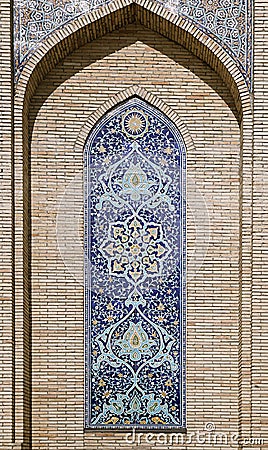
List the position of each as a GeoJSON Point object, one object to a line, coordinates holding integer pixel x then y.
{"type": "Point", "coordinates": [260, 241]}
{"type": "Point", "coordinates": [6, 256]}
{"type": "Point", "coordinates": [72, 93]}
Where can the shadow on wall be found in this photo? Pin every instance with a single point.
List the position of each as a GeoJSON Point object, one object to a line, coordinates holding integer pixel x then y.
{"type": "Point", "coordinates": [113, 42]}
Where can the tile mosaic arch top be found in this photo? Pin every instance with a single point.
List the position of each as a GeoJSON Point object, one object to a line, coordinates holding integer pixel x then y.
{"type": "Point", "coordinates": [226, 21]}
{"type": "Point", "coordinates": [135, 270]}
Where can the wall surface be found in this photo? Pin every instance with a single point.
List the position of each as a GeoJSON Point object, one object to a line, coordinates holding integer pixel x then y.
{"type": "Point", "coordinates": [71, 93]}
{"type": "Point", "coordinates": [6, 256]}
{"type": "Point", "coordinates": [260, 231]}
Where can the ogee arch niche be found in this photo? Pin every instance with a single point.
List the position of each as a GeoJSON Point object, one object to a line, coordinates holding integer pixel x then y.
{"type": "Point", "coordinates": [79, 90]}
{"type": "Point", "coordinates": [135, 164]}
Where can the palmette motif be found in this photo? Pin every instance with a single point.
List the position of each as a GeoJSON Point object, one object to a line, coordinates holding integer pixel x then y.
{"type": "Point", "coordinates": [135, 270]}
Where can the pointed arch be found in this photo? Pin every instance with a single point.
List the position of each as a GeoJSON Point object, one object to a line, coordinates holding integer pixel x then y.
{"type": "Point", "coordinates": [124, 95]}
{"type": "Point", "coordinates": [135, 269]}
{"type": "Point", "coordinates": [112, 16]}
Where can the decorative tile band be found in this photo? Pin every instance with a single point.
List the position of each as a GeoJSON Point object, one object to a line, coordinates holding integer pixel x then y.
{"type": "Point", "coordinates": [229, 22]}
{"type": "Point", "coordinates": [135, 270]}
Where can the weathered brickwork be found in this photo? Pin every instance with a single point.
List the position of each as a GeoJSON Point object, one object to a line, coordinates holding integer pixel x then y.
{"type": "Point", "coordinates": [79, 73]}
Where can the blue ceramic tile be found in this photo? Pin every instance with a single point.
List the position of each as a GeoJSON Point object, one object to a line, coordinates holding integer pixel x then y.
{"type": "Point", "coordinates": [135, 270]}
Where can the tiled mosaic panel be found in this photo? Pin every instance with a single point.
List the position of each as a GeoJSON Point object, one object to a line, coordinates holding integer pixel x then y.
{"type": "Point", "coordinates": [227, 21]}
{"type": "Point", "coordinates": [135, 270]}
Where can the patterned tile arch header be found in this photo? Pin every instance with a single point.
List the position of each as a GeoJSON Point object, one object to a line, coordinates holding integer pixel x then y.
{"type": "Point", "coordinates": [228, 22]}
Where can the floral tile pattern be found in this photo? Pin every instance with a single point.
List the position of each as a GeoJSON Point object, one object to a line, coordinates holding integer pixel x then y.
{"type": "Point", "coordinates": [135, 270]}
{"type": "Point", "coordinates": [229, 22]}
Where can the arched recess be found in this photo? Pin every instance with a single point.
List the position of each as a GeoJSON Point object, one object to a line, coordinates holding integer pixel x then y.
{"type": "Point", "coordinates": [83, 30]}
